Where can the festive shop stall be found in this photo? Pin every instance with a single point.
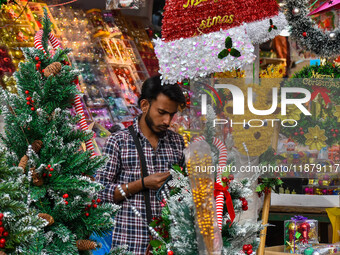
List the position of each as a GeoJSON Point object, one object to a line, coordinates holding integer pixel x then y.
{"type": "Point", "coordinates": [260, 125]}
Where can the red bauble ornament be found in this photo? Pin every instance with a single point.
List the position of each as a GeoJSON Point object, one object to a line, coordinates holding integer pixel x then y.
{"type": "Point", "coordinates": [32, 101]}
{"type": "Point", "coordinates": [32, 109]}
{"type": "Point", "coordinates": [93, 201]}
{"type": "Point", "coordinates": [65, 196]}
{"type": "Point", "coordinates": [94, 206]}
{"type": "Point", "coordinates": [245, 208]}
{"type": "Point", "coordinates": [48, 166]}
{"type": "Point", "coordinates": [302, 132]}
{"type": "Point", "coordinates": [245, 247]}
{"type": "Point", "coordinates": [28, 98]}
{"type": "Point", "coordinates": [2, 245]}
{"type": "Point", "coordinates": [224, 179]}
{"type": "Point", "coordinates": [0, 223]}
{"type": "Point", "coordinates": [231, 177]}
{"type": "Point", "coordinates": [296, 133]}
{"type": "Point", "coordinates": [301, 129]}
{"type": "Point", "coordinates": [88, 205]}
{"type": "Point", "coordinates": [36, 58]}
{"type": "Point", "coordinates": [87, 214]}
{"type": "Point", "coordinates": [332, 130]}
{"type": "Point", "coordinates": [37, 66]}
{"type": "Point", "coordinates": [336, 131]}
{"type": "Point", "coordinates": [1, 216]}
{"type": "Point", "coordinates": [170, 253]}
{"type": "Point", "coordinates": [250, 247]}
{"type": "Point", "coordinates": [2, 229]}
{"type": "Point", "coordinates": [27, 92]}
{"type": "Point", "coordinates": [5, 234]}
{"type": "Point", "coordinates": [28, 103]}
{"type": "Point", "coordinates": [249, 251]}
{"type": "Point", "coordinates": [50, 175]}
{"type": "Point", "coordinates": [98, 200]}
{"type": "Point", "coordinates": [3, 240]}
{"type": "Point", "coordinates": [334, 135]}
{"type": "Point", "coordinates": [66, 203]}
{"type": "Point", "coordinates": [304, 34]}
{"type": "Point", "coordinates": [51, 169]}
{"type": "Point", "coordinates": [244, 203]}
{"type": "Point", "coordinates": [44, 174]}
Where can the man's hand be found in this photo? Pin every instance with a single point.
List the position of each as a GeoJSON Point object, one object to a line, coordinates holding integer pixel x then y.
{"type": "Point", "coordinates": [155, 181]}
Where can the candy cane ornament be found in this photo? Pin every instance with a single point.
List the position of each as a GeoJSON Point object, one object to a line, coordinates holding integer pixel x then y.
{"type": "Point", "coordinates": [77, 102]}
{"type": "Point", "coordinates": [222, 163]}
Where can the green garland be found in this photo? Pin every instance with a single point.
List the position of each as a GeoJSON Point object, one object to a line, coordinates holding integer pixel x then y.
{"type": "Point", "coordinates": [304, 30]}
{"type": "Point", "coordinates": [324, 116]}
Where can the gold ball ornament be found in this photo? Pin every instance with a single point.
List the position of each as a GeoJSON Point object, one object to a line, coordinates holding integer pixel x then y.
{"type": "Point", "coordinates": [292, 227]}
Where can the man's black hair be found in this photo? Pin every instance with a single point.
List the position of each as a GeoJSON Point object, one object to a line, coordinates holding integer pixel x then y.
{"type": "Point", "coordinates": [152, 87]}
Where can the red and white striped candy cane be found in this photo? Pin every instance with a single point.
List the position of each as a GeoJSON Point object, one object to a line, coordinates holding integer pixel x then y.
{"type": "Point", "coordinates": [222, 162]}
{"type": "Point", "coordinates": [38, 41]}
{"type": "Point", "coordinates": [77, 102]}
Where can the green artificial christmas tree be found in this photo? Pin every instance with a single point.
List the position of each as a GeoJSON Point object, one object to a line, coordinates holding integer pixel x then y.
{"type": "Point", "coordinates": [18, 223]}
{"type": "Point", "coordinates": [61, 187]}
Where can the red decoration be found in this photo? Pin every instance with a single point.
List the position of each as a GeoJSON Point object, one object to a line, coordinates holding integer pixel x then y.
{"type": "Point", "coordinates": [183, 18]}
{"type": "Point", "coordinates": [304, 230]}
{"type": "Point", "coordinates": [66, 203]}
{"type": "Point", "coordinates": [98, 200]}
{"type": "Point", "coordinates": [3, 240]}
{"type": "Point", "coordinates": [27, 92]}
{"type": "Point", "coordinates": [50, 175]}
{"type": "Point", "coordinates": [87, 214]}
{"type": "Point", "coordinates": [36, 58]}
{"type": "Point", "coordinates": [245, 208]}
{"type": "Point", "coordinates": [249, 252]}
{"type": "Point", "coordinates": [231, 177]}
{"type": "Point", "coordinates": [94, 206]}
{"type": "Point", "coordinates": [93, 201]}
{"type": "Point", "coordinates": [32, 109]}
{"type": "Point", "coordinates": [225, 179]}
{"type": "Point", "coordinates": [5, 234]}
{"type": "Point", "coordinates": [304, 34]}
{"type": "Point", "coordinates": [65, 196]}
{"type": "Point", "coordinates": [170, 253]}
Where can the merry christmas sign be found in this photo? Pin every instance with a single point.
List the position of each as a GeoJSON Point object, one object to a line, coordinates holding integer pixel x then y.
{"type": "Point", "coordinates": [200, 37]}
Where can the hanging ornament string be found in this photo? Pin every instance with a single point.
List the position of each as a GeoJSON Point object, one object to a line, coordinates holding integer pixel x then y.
{"type": "Point", "coordinates": [222, 163]}
{"type": "Point", "coordinates": [77, 101]}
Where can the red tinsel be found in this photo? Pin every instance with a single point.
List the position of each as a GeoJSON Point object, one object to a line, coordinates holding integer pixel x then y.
{"type": "Point", "coordinates": [180, 22]}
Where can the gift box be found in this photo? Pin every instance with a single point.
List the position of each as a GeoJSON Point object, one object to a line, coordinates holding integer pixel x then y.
{"type": "Point", "coordinates": [299, 232]}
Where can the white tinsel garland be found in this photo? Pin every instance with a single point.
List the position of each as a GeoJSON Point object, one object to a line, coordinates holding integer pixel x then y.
{"type": "Point", "coordinates": [198, 56]}
{"type": "Point", "coordinates": [305, 31]}
{"type": "Point", "coordinates": [258, 30]}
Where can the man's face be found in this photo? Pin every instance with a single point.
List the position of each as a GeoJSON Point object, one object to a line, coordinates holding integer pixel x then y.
{"type": "Point", "coordinates": [160, 113]}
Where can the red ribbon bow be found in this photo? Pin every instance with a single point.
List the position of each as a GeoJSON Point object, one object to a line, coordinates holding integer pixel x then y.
{"type": "Point", "coordinates": [323, 91]}
{"type": "Point", "coordinates": [229, 203]}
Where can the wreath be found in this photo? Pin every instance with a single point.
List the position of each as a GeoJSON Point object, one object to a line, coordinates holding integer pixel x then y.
{"type": "Point", "coordinates": [305, 31]}
{"type": "Point", "coordinates": [322, 127]}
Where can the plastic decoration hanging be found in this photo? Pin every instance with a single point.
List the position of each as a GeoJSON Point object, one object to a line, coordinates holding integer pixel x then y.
{"type": "Point", "coordinates": [124, 4]}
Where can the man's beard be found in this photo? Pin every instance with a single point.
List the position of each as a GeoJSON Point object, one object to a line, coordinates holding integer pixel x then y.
{"type": "Point", "coordinates": [151, 125]}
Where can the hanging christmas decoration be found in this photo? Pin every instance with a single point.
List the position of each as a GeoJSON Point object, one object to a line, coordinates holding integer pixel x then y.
{"type": "Point", "coordinates": [323, 83]}
{"type": "Point", "coordinates": [304, 30]}
{"type": "Point", "coordinates": [194, 35]}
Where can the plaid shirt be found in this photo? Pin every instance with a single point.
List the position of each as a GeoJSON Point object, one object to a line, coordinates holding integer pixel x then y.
{"type": "Point", "coordinates": [123, 167]}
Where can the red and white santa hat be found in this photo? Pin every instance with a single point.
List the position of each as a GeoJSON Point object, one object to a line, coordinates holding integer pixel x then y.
{"type": "Point", "coordinates": [200, 37]}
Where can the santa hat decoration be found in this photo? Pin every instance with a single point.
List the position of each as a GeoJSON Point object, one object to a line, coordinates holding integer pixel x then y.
{"type": "Point", "coordinates": [195, 32]}
{"type": "Point", "coordinates": [263, 19]}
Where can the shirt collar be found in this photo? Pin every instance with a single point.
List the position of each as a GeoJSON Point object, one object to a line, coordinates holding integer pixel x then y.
{"type": "Point", "coordinates": [140, 134]}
